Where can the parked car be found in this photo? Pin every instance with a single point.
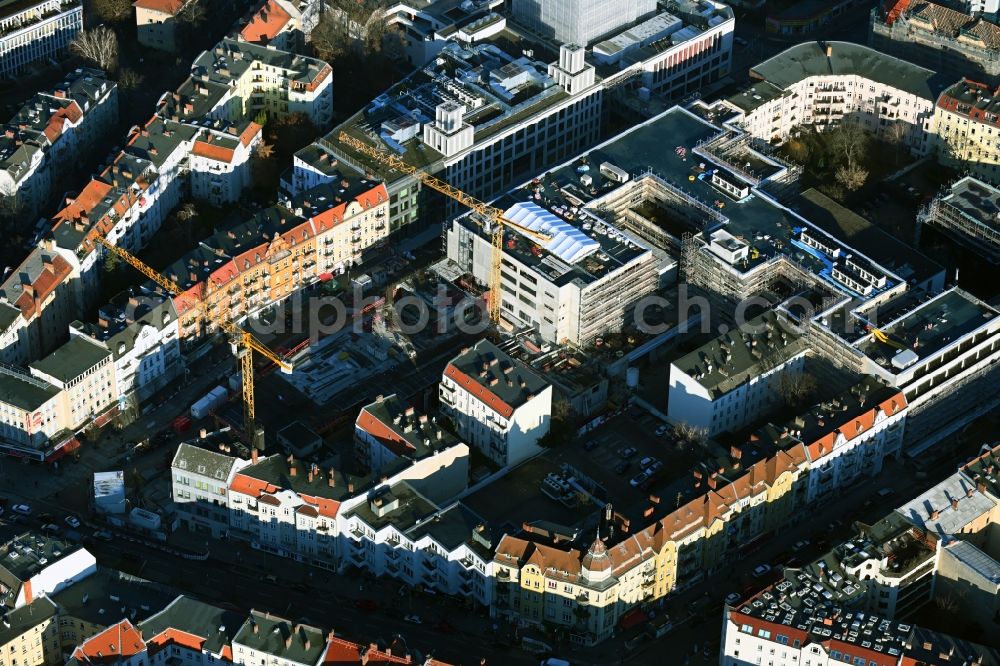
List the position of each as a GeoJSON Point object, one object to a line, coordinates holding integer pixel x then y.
{"type": "Point", "coordinates": [646, 462]}
{"type": "Point", "coordinates": [628, 452]}
{"type": "Point", "coordinates": [413, 619]}
{"type": "Point", "coordinates": [638, 479]}
{"type": "Point", "coordinates": [104, 535]}
{"type": "Point", "coordinates": [51, 528]}
{"type": "Point", "coordinates": [761, 570]}
{"type": "Point", "coordinates": [622, 467]}
{"type": "Point", "coordinates": [662, 430]}
{"type": "Point", "coordinates": [654, 468]}
{"type": "Point", "coordinates": [799, 545]}
{"type": "Point", "coordinates": [732, 598]}
{"type": "Point", "coordinates": [22, 509]}
{"type": "Point", "coordinates": [72, 521]}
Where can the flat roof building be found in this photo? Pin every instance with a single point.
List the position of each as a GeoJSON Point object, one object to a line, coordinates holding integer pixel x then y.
{"type": "Point", "coordinates": [579, 21]}
{"type": "Point", "coordinates": [734, 379]}
{"type": "Point", "coordinates": [472, 105]}
{"type": "Point", "coordinates": [968, 213]}
{"type": "Point", "coordinates": [498, 404]}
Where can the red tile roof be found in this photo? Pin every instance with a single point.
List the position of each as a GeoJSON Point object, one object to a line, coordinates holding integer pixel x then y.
{"type": "Point", "coordinates": [335, 215]}
{"type": "Point", "coordinates": [48, 281]}
{"type": "Point", "coordinates": [265, 25]}
{"type": "Point", "coordinates": [479, 391]}
{"type": "Point", "coordinates": [248, 134]}
{"type": "Point", "coordinates": [165, 6]}
{"type": "Point", "coordinates": [171, 636]}
{"type": "Point", "coordinates": [117, 642]}
{"type": "Point", "coordinates": [57, 121]}
{"type": "Point", "coordinates": [84, 203]}
{"type": "Point", "coordinates": [383, 433]}
{"type": "Point", "coordinates": [855, 426]}
{"type": "Point", "coordinates": [213, 151]}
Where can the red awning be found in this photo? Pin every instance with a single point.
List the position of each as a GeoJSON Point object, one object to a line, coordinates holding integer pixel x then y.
{"type": "Point", "coordinates": [325, 277]}
{"type": "Point", "coordinates": [64, 449]}
{"type": "Point", "coordinates": [633, 618]}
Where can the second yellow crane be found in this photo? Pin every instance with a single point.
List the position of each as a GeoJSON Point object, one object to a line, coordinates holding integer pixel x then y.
{"type": "Point", "coordinates": [244, 343]}
{"type": "Point", "coordinates": [488, 212]}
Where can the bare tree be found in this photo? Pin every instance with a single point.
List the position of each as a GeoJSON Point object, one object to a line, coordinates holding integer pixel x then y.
{"type": "Point", "coordinates": [112, 10]}
{"type": "Point", "coordinates": [795, 389]}
{"type": "Point", "coordinates": [896, 133]}
{"type": "Point", "coordinates": [355, 27]}
{"type": "Point", "coordinates": [193, 13]}
{"type": "Point", "coordinates": [330, 38]}
{"type": "Point", "coordinates": [265, 150]}
{"type": "Point", "coordinates": [851, 176]}
{"type": "Point", "coordinates": [185, 215]}
{"type": "Point", "coordinates": [100, 46]}
{"type": "Point", "coordinates": [849, 143]}
{"type": "Point", "coordinates": [685, 432]}
{"type": "Point", "coordinates": [129, 79]}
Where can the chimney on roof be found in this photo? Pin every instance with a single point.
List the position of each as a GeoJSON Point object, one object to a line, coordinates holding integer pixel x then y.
{"type": "Point", "coordinates": [292, 470]}
{"type": "Point", "coordinates": [256, 627]}
{"type": "Point", "coordinates": [968, 493]}
{"type": "Point", "coordinates": [829, 50]}
{"type": "Point", "coordinates": [712, 482]}
{"type": "Point", "coordinates": [350, 486]}
{"type": "Point", "coordinates": [253, 456]}
{"type": "Point", "coordinates": [735, 452]}
{"type": "Point", "coordinates": [310, 476]}
{"type": "Point", "coordinates": [954, 503]}
{"type": "Point", "coordinates": [981, 487]}
{"type": "Point", "coordinates": [306, 644]}
{"type": "Point", "coordinates": [288, 641]}
{"type": "Point", "coordinates": [934, 514]}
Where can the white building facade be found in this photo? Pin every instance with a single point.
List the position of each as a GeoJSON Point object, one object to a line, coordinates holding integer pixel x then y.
{"type": "Point", "coordinates": [497, 404]}
{"type": "Point", "coordinates": [35, 31]}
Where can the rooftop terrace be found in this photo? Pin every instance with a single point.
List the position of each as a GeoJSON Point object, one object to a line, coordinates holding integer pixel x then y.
{"type": "Point", "coordinates": [24, 556]}
{"type": "Point", "coordinates": [976, 201]}
{"type": "Point", "coordinates": [497, 89]}
{"type": "Point", "coordinates": [819, 616]}
{"type": "Point", "coordinates": [929, 328]}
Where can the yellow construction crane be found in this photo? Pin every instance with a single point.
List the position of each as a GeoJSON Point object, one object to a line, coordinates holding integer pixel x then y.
{"type": "Point", "coordinates": [486, 211]}
{"type": "Point", "coordinates": [244, 343]}
{"type": "Point", "coordinates": [883, 338]}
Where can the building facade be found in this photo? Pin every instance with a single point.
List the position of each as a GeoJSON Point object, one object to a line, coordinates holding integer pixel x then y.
{"type": "Point", "coordinates": [53, 128]}
{"type": "Point", "coordinates": [141, 332]}
{"type": "Point", "coordinates": [514, 122]}
{"type": "Point", "coordinates": [84, 373]}
{"type": "Point", "coordinates": [967, 123]}
{"type": "Point", "coordinates": [736, 378]}
{"type": "Point", "coordinates": [839, 82]}
{"type": "Point", "coordinates": [498, 404]}
{"type": "Point", "coordinates": [156, 23]}
{"type": "Point", "coordinates": [942, 38]}
{"type": "Point", "coordinates": [579, 21]}
{"type": "Point", "coordinates": [35, 31]}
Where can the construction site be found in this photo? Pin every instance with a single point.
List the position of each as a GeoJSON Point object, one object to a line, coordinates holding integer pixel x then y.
{"type": "Point", "coordinates": [967, 213]}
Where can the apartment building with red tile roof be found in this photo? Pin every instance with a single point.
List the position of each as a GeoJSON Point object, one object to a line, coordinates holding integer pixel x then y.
{"type": "Point", "coordinates": [484, 385]}
{"type": "Point", "coordinates": [267, 23]}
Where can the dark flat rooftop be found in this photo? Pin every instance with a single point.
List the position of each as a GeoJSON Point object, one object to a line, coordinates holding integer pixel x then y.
{"type": "Point", "coordinates": [931, 326]}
